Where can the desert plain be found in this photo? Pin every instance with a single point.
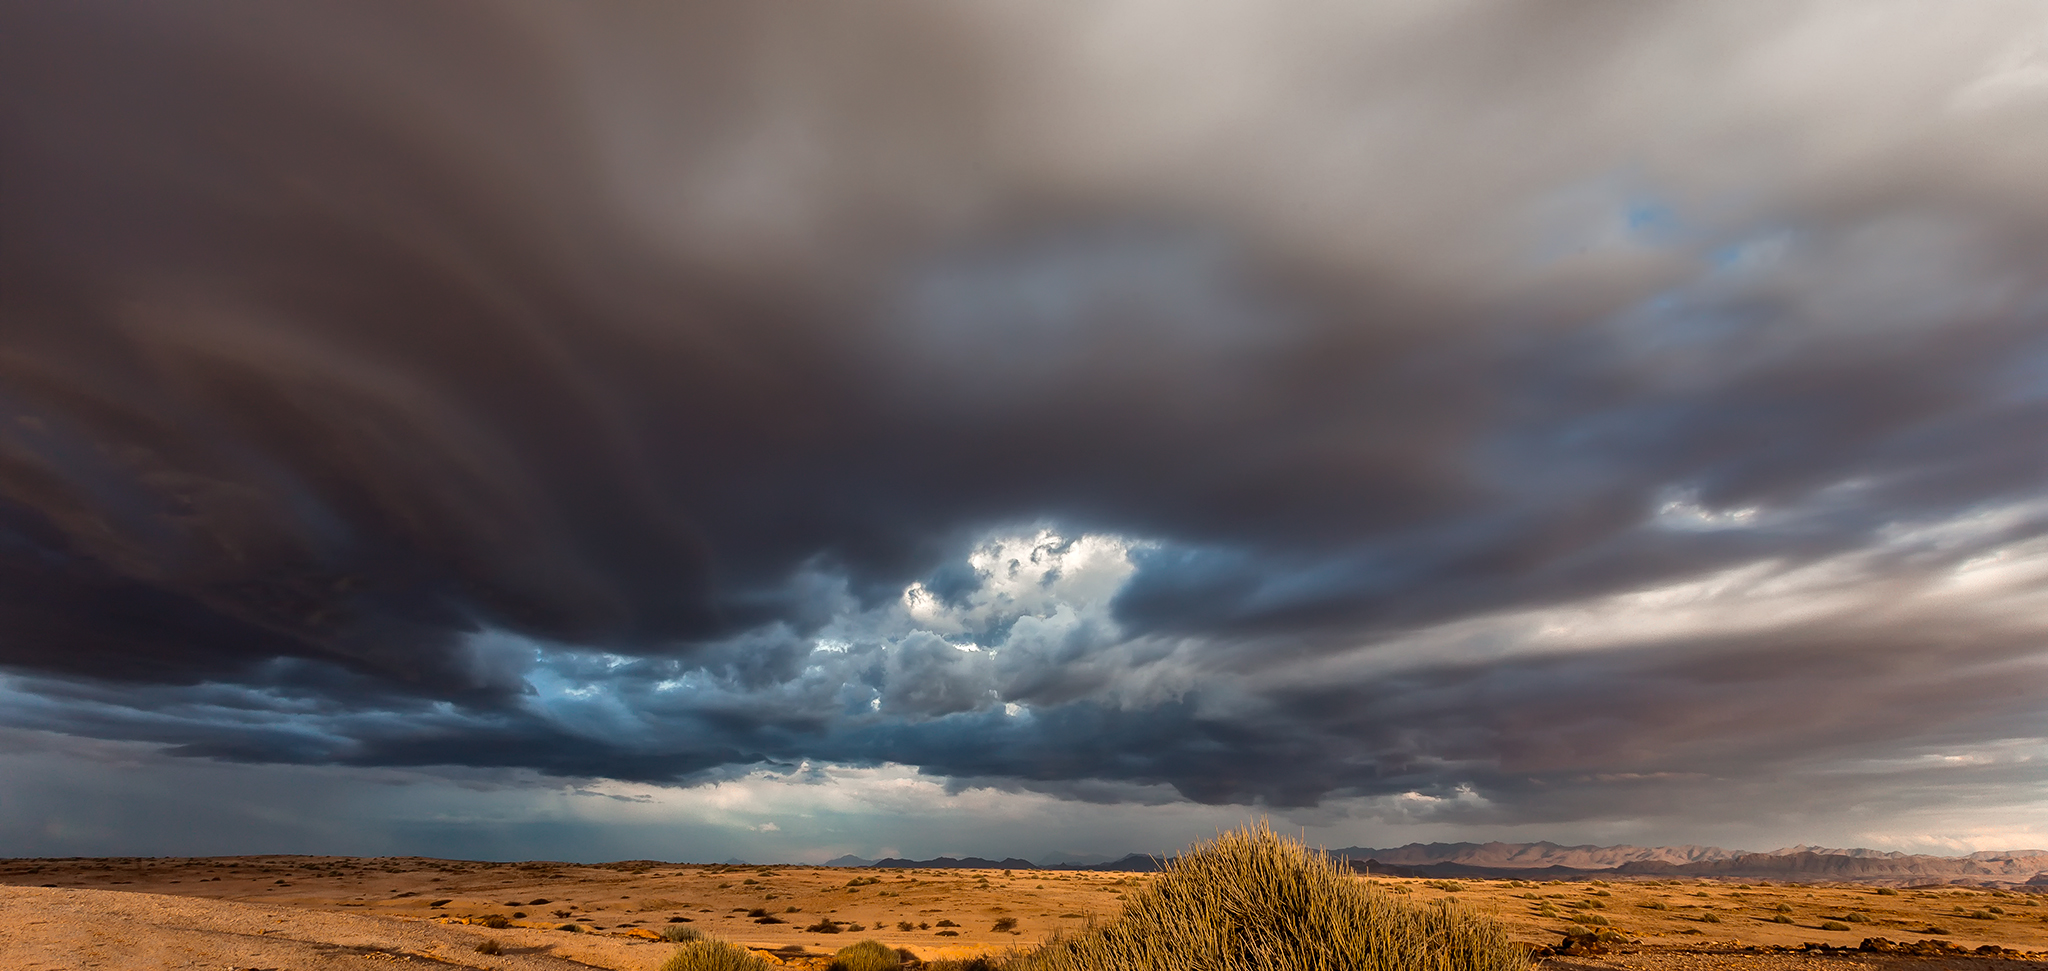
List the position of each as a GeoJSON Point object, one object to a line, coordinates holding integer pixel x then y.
{"type": "Point", "coordinates": [303, 912]}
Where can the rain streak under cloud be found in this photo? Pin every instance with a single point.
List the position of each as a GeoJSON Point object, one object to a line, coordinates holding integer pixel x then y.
{"type": "Point", "coordinates": [777, 430]}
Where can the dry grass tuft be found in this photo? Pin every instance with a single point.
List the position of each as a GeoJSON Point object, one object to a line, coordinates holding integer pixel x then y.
{"type": "Point", "coordinates": [711, 955]}
{"type": "Point", "coordinates": [1253, 900]}
{"type": "Point", "coordinates": [867, 956]}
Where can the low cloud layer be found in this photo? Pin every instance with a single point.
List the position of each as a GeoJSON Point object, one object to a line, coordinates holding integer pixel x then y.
{"type": "Point", "coordinates": [1433, 414]}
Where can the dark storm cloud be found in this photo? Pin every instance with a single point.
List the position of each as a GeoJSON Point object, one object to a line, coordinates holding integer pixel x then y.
{"type": "Point", "coordinates": [540, 387]}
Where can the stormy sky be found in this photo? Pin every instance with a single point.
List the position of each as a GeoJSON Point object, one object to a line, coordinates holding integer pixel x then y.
{"type": "Point", "coordinates": [779, 430]}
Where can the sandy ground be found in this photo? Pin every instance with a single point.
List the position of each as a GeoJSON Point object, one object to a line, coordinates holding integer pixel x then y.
{"type": "Point", "coordinates": [43, 929]}
{"type": "Point", "coordinates": [336, 912]}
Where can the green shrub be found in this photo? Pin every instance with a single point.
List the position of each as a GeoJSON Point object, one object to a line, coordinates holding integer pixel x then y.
{"type": "Point", "coordinates": [1252, 900]}
{"type": "Point", "coordinates": [710, 955]}
{"type": "Point", "coordinates": [678, 934]}
{"type": "Point", "coordinates": [1834, 925]}
{"type": "Point", "coordinates": [866, 956]}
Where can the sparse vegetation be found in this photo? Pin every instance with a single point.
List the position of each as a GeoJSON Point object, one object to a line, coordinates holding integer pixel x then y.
{"type": "Point", "coordinates": [1004, 925]}
{"type": "Point", "coordinates": [710, 955]}
{"type": "Point", "coordinates": [866, 956]}
{"type": "Point", "coordinates": [977, 963]}
{"type": "Point", "coordinates": [494, 921]}
{"type": "Point", "coordinates": [490, 945]}
{"type": "Point", "coordinates": [1834, 925]}
{"type": "Point", "coordinates": [678, 934]}
{"type": "Point", "coordinates": [823, 926]}
{"type": "Point", "coordinates": [1255, 900]}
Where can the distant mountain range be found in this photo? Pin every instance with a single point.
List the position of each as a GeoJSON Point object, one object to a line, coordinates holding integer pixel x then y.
{"type": "Point", "coordinates": [1546, 860]}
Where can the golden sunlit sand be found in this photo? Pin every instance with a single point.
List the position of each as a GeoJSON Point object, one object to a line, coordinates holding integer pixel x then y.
{"type": "Point", "coordinates": [784, 911]}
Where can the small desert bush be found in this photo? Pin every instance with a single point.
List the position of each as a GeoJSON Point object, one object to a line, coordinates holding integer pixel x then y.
{"type": "Point", "coordinates": [823, 926]}
{"type": "Point", "coordinates": [1782, 908]}
{"type": "Point", "coordinates": [494, 921]}
{"type": "Point", "coordinates": [1856, 917]}
{"type": "Point", "coordinates": [1885, 892]}
{"type": "Point", "coordinates": [1710, 917]}
{"type": "Point", "coordinates": [1004, 925]}
{"type": "Point", "coordinates": [678, 934]}
{"type": "Point", "coordinates": [866, 956]}
{"type": "Point", "coordinates": [1653, 905]}
{"type": "Point", "coordinates": [490, 945]}
{"type": "Point", "coordinates": [1255, 901]}
{"type": "Point", "coordinates": [710, 955]}
{"type": "Point", "coordinates": [979, 962]}
{"type": "Point", "coordinates": [1781, 919]}
{"type": "Point", "coordinates": [1834, 925]}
